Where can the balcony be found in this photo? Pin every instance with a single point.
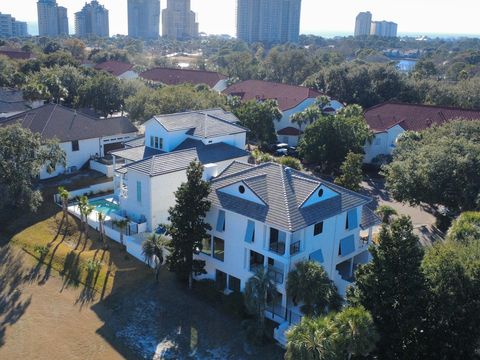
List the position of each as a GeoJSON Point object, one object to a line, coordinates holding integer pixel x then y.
{"type": "Point", "coordinates": [275, 274]}
{"type": "Point", "coordinates": [295, 248]}
{"type": "Point", "coordinates": [277, 247]}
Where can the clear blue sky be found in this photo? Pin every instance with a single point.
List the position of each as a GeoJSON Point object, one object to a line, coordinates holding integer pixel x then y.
{"type": "Point", "coordinates": [318, 16]}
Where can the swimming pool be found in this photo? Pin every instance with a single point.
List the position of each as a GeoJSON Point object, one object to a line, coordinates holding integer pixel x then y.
{"type": "Point", "coordinates": [105, 206]}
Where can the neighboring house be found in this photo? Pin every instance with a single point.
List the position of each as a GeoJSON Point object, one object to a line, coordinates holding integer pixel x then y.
{"type": "Point", "coordinates": [271, 216]}
{"type": "Point", "coordinates": [149, 170]}
{"type": "Point", "coordinates": [12, 102]}
{"type": "Point", "coordinates": [118, 69]}
{"type": "Point", "coordinates": [291, 100]}
{"type": "Point", "coordinates": [16, 54]}
{"type": "Point", "coordinates": [79, 135]}
{"type": "Point", "coordinates": [389, 120]}
{"type": "Point", "coordinates": [172, 76]}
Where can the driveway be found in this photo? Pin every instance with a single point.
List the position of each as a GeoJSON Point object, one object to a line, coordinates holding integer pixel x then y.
{"type": "Point", "coordinates": [422, 217]}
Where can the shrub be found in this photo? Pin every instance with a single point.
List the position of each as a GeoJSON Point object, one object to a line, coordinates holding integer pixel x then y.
{"type": "Point", "coordinates": [290, 162]}
{"type": "Point", "coordinates": [41, 250]}
{"type": "Point", "coordinates": [93, 265]}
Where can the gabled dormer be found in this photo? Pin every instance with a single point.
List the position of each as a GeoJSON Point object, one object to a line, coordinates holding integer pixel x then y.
{"type": "Point", "coordinates": [245, 191]}
{"type": "Point", "coordinates": [321, 193]}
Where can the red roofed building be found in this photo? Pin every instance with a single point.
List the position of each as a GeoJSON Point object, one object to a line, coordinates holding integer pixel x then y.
{"type": "Point", "coordinates": [390, 119]}
{"type": "Point", "coordinates": [16, 54]}
{"type": "Point", "coordinates": [172, 76]}
{"type": "Point", "coordinates": [291, 99]}
{"type": "Point", "coordinates": [118, 69]}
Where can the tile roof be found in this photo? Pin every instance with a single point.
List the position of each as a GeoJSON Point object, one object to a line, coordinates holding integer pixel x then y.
{"type": "Point", "coordinates": [65, 124]}
{"type": "Point", "coordinates": [136, 153]}
{"type": "Point", "coordinates": [139, 141]}
{"type": "Point", "coordinates": [186, 152]}
{"type": "Point", "coordinates": [171, 76]}
{"type": "Point", "coordinates": [287, 96]}
{"type": "Point", "coordinates": [11, 100]}
{"type": "Point", "coordinates": [369, 218]}
{"type": "Point", "coordinates": [16, 54]}
{"type": "Point", "coordinates": [283, 190]}
{"type": "Point", "coordinates": [116, 68]}
{"type": "Point", "coordinates": [202, 123]}
{"type": "Point", "coordinates": [413, 117]}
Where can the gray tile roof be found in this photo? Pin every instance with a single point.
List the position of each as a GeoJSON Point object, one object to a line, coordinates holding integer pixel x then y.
{"type": "Point", "coordinates": [139, 141]}
{"type": "Point", "coordinates": [369, 218]}
{"type": "Point", "coordinates": [11, 101]}
{"type": "Point", "coordinates": [136, 153]}
{"type": "Point", "coordinates": [283, 190]}
{"type": "Point", "coordinates": [65, 124]}
{"type": "Point", "coordinates": [185, 153]}
{"type": "Point", "coordinates": [202, 123]}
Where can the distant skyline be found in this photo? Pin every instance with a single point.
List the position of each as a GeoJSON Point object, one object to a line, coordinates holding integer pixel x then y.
{"type": "Point", "coordinates": [318, 17]}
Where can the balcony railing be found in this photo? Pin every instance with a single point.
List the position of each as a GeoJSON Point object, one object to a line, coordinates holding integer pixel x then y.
{"type": "Point", "coordinates": [277, 247]}
{"type": "Point", "coordinates": [275, 274]}
{"type": "Point", "coordinates": [295, 248]}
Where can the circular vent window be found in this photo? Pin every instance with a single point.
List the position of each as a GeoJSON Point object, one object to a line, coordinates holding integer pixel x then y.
{"type": "Point", "coordinates": [320, 193]}
{"type": "Point", "coordinates": [241, 188]}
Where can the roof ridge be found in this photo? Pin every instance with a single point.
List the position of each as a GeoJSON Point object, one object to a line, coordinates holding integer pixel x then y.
{"type": "Point", "coordinates": [285, 197]}
{"type": "Point", "coordinates": [231, 164]}
{"type": "Point", "coordinates": [429, 106]}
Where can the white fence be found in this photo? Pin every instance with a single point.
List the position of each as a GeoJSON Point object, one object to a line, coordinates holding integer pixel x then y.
{"type": "Point", "coordinates": [102, 168]}
{"type": "Point", "coordinates": [91, 190]}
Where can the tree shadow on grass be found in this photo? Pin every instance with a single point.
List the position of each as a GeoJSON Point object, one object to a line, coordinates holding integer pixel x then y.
{"type": "Point", "coordinates": [12, 276]}
{"type": "Point", "coordinates": [71, 270]}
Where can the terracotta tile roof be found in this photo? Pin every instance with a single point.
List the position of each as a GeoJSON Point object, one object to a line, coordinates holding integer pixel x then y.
{"type": "Point", "coordinates": [16, 54]}
{"type": "Point", "coordinates": [288, 96]}
{"type": "Point", "coordinates": [116, 68]}
{"type": "Point", "coordinates": [413, 116]}
{"type": "Point", "coordinates": [57, 121]}
{"type": "Point", "coordinates": [172, 76]}
{"type": "Point", "coordinates": [290, 131]}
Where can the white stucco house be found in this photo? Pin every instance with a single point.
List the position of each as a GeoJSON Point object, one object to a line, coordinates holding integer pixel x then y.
{"type": "Point", "coordinates": [291, 100]}
{"type": "Point", "coordinates": [79, 135]}
{"type": "Point", "coordinates": [389, 120]}
{"type": "Point", "coordinates": [272, 216]}
{"type": "Point", "coordinates": [150, 169]}
{"type": "Point", "coordinates": [118, 69]}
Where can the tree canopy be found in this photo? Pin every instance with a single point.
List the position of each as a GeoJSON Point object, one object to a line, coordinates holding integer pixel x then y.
{"type": "Point", "coordinates": [187, 226]}
{"type": "Point", "coordinates": [328, 140]}
{"type": "Point", "coordinates": [22, 155]}
{"type": "Point", "coordinates": [438, 166]}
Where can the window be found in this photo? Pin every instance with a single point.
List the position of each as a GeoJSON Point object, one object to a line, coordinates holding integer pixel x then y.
{"type": "Point", "coordinates": [273, 235]}
{"type": "Point", "coordinates": [241, 189]}
{"type": "Point", "coordinates": [351, 221]}
{"type": "Point", "coordinates": [139, 191]}
{"type": "Point", "coordinates": [277, 241]}
{"type": "Point", "coordinates": [156, 143]}
{"type": "Point", "coordinates": [318, 228]}
{"type": "Point", "coordinates": [218, 248]}
{"type": "Point", "coordinates": [347, 246]}
{"type": "Point", "coordinates": [152, 141]}
{"type": "Point", "coordinates": [220, 280]}
{"type": "Point", "coordinates": [233, 283]}
{"type": "Point", "coordinates": [320, 193]}
{"type": "Point", "coordinates": [207, 246]}
{"type": "Point", "coordinates": [221, 221]}
{"type": "Point", "coordinates": [250, 234]}
{"type": "Point", "coordinates": [75, 145]}
{"type": "Point", "coordinates": [256, 260]}
{"type": "Point", "coordinates": [161, 143]}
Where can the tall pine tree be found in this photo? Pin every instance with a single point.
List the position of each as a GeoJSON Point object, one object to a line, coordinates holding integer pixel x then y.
{"type": "Point", "coordinates": [392, 288]}
{"type": "Point", "coordinates": [187, 224]}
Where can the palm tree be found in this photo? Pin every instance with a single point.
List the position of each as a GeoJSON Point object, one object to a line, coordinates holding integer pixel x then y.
{"type": "Point", "coordinates": [355, 333]}
{"type": "Point", "coordinates": [258, 290]}
{"type": "Point", "coordinates": [312, 339]}
{"type": "Point", "coordinates": [310, 284]}
{"type": "Point", "coordinates": [85, 210]}
{"type": "Point", "coordinates": [153, 250]}
{"type": "Point", "coordinates": [122, 225]}
{"type": "Point", "coordinates": [307, 116]}
{"type": "Point", "coordinates": [386, 212]}
{"type": "Point", "coordinates": [101, 229]}
{"type": "Point", "coordinates": [64, 196]}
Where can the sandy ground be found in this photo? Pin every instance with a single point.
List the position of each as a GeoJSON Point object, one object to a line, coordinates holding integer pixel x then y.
{"type": "Point", "coordinates": [42, 321]}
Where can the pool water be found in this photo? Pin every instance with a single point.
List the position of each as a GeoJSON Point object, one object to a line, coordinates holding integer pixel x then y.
{"type": "Point", "coordinates": [105, 206]}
